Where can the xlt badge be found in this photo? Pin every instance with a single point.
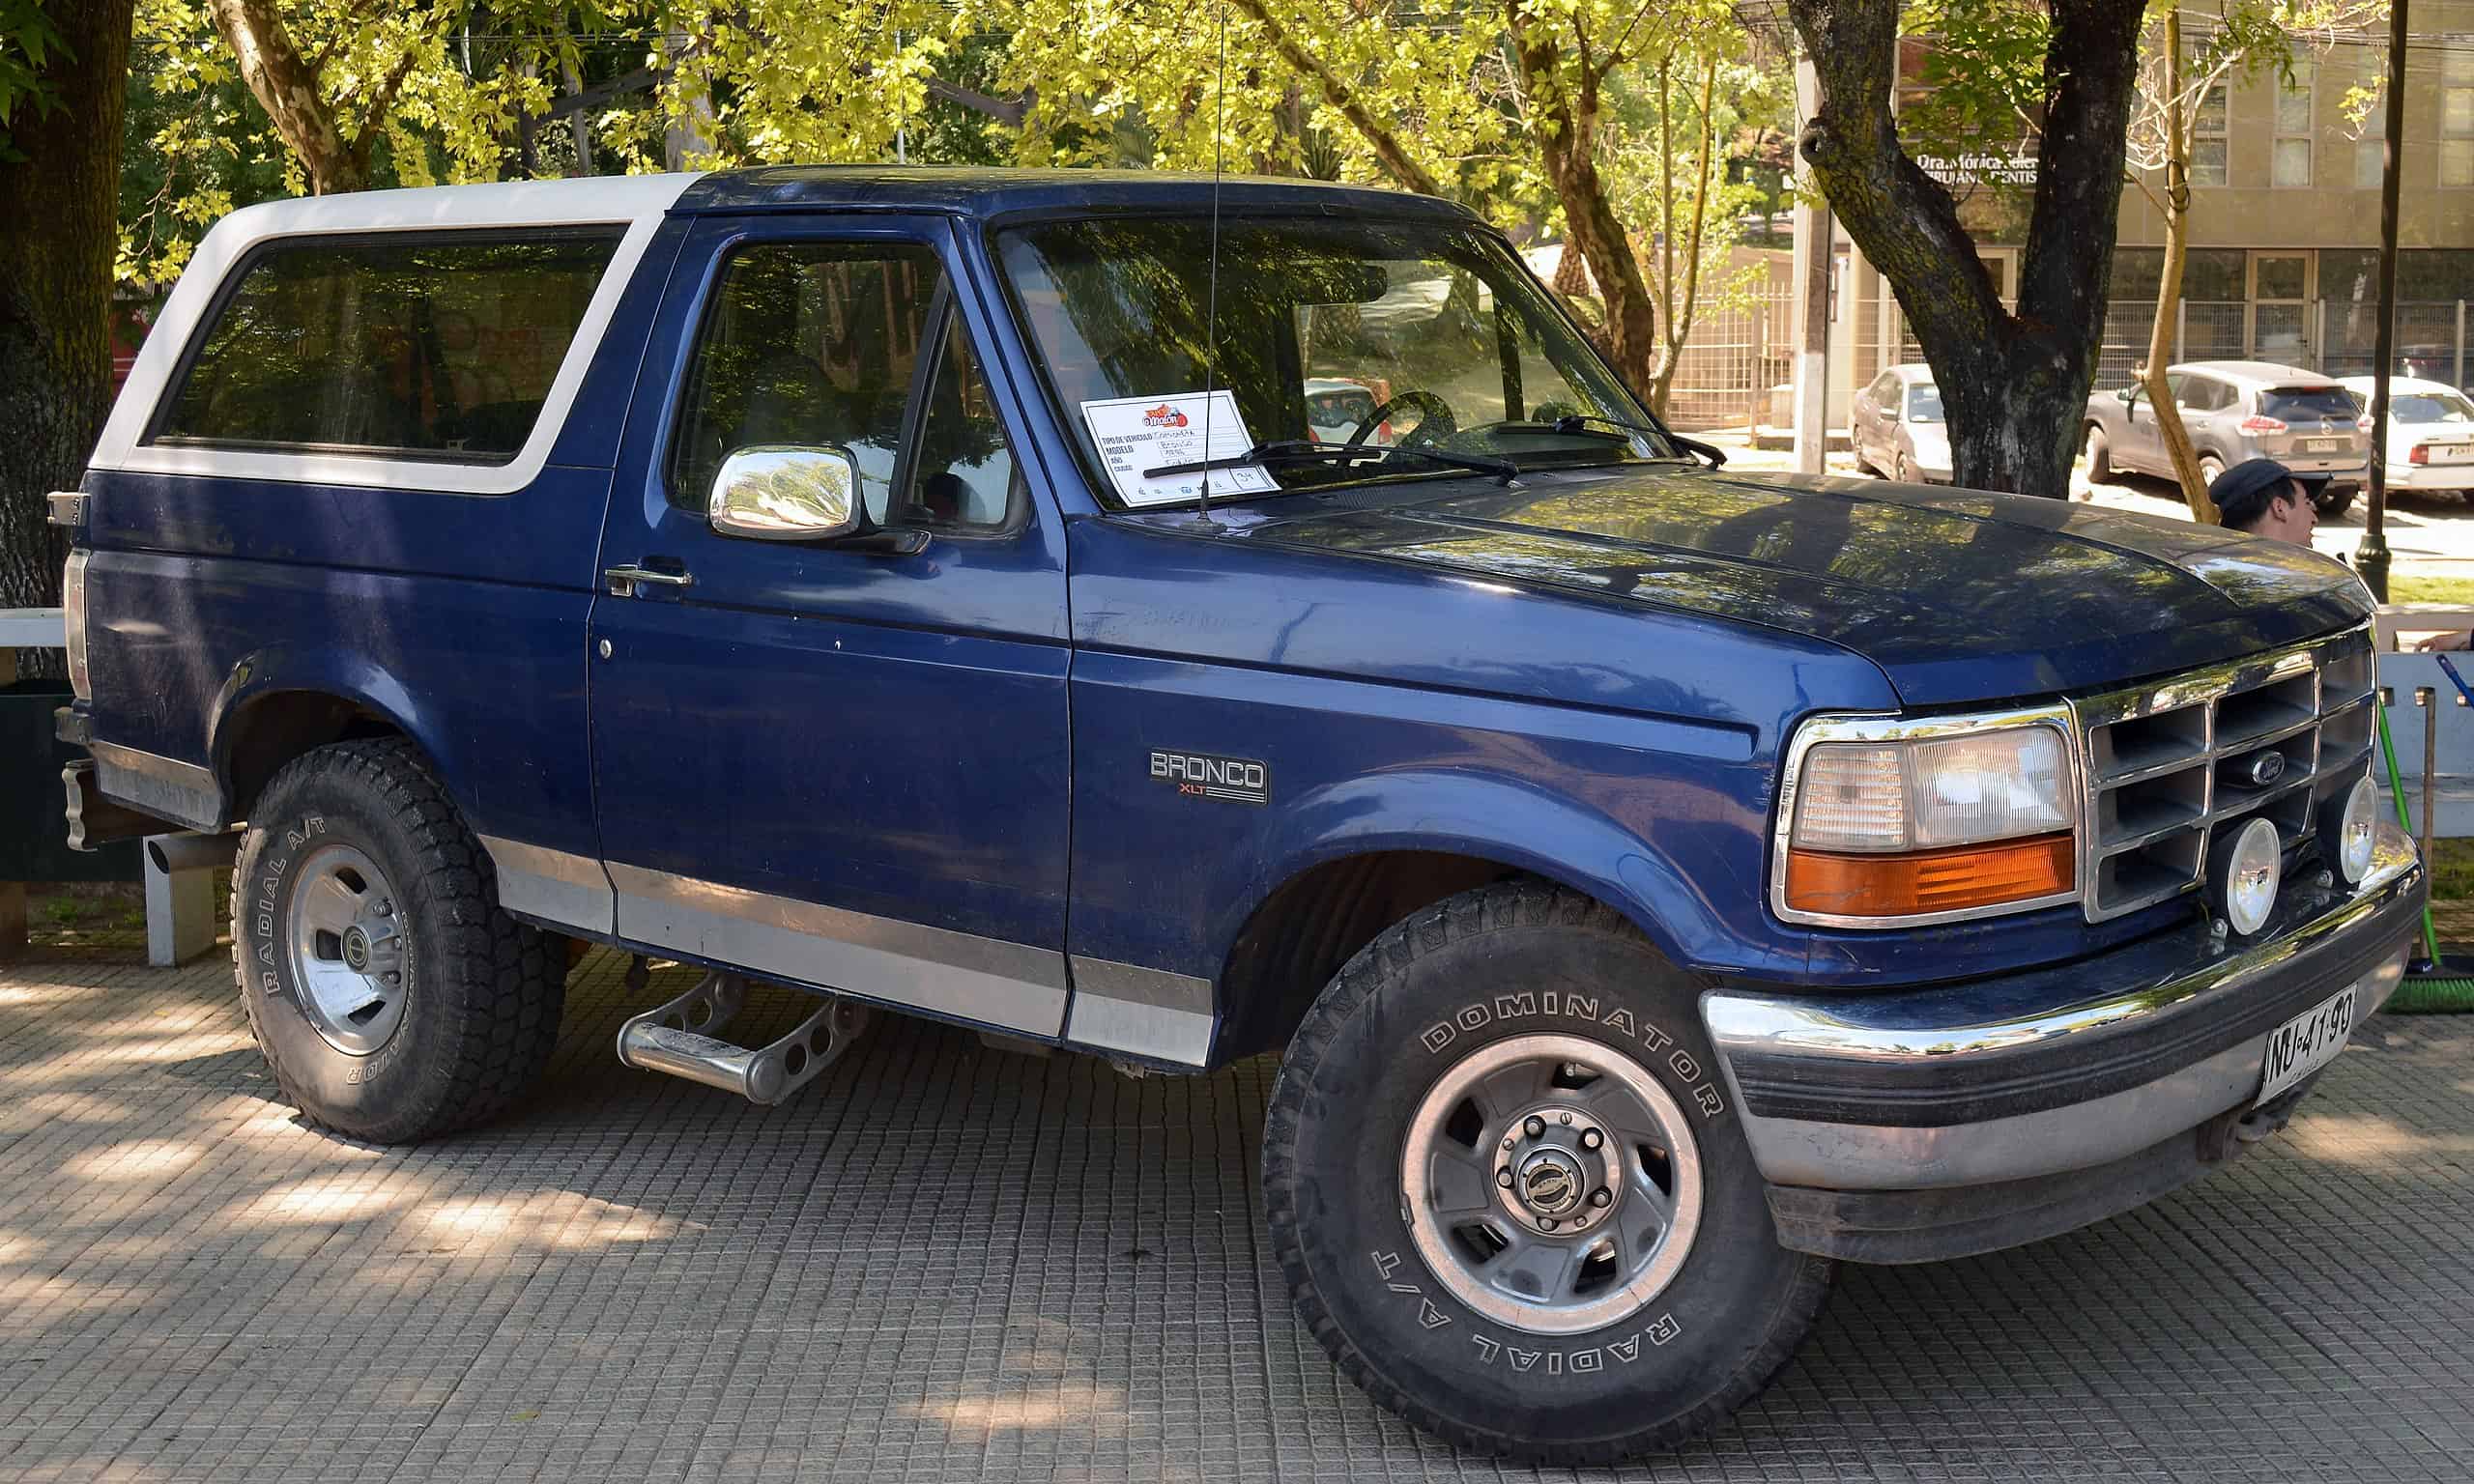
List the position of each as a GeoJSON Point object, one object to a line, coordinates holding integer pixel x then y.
{"type": "Point", "coordinates": [1205, 776]}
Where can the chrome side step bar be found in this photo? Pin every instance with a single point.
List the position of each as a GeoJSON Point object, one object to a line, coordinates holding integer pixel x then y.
{"type": "Point", "coordinates": [679, 1038]}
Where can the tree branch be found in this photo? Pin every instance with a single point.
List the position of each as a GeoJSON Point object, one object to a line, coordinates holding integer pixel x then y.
{"type": "Point", "coordinates": [1008, 111]}
{"type": "Point", "coordinates": [1396, 157]}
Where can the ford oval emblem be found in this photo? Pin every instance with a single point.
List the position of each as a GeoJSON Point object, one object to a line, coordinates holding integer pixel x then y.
{"type": "Point", "coordinates": [2263, 767]}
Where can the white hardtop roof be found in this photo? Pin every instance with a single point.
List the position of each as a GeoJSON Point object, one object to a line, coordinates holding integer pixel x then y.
{"type": "Point", "coordinates": [600, 198]}
{"type": "Point", "coordinates": [635, 202]}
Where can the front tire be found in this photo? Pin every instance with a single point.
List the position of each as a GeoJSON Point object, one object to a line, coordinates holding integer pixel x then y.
{"type": "Point", "coordinates": [392, 998]}
{"type": "Point", "coordinates": [2100, 456]}
{"type": "Point", "coordinates": [1627, 1290]}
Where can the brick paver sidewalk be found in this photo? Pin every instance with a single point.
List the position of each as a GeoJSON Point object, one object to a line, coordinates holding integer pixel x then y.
{"type": "Point", "coordinates": [947, 1262]}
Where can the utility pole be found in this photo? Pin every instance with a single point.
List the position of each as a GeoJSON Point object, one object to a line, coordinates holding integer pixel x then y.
{"type": "Point", "coordinates": [2370, 558]}
{"type": "Point", "coordinates": [1814, 229]}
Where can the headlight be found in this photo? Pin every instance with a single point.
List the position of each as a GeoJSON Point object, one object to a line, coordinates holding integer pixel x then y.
{"type": "Point", "coordinates": [1895, 822]}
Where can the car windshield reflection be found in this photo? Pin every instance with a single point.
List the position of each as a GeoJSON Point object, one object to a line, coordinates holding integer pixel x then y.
{"type": "Point", "coordinates": [1368, 333]}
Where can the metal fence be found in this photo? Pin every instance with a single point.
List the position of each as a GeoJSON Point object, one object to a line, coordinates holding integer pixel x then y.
{"type": "Point", "coordinates": [1737, 354]}
{"type": "Point", "coordinates": [1732, 358]}
{"type": "Point", "coordinates": [2331, 337]}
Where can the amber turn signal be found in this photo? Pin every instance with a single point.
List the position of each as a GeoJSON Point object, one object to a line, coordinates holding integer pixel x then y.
{"type": "Point", "coordinates": [1931, 880]}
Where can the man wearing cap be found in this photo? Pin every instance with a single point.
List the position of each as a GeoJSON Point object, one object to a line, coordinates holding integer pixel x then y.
{"type": "Point", "coordinates": [2263, 497]}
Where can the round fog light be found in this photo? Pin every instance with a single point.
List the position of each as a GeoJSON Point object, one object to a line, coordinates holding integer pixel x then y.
{"type": "Point", "coordinates": [2244, 877]}
{"type": "Point", "coordinates": [2347, 826]}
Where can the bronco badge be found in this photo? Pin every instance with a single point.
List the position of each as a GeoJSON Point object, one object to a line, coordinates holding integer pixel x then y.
{"type": "Point", "coordinates": [1204, 775]}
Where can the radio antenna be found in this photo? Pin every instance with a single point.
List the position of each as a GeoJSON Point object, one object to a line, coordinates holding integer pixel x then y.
{"type": "Point", "coordinates": [1211, 299]}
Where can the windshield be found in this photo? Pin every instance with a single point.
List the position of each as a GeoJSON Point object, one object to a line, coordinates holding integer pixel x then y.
{"type": "Point", "coordinates": [2429, 407]}
{"type": "Point", "coordinates": [1924, 402]}
{"type": "Point", "coordinates": [2302, 404]}
{"type": "Point", "coordinates": [1383, 335]}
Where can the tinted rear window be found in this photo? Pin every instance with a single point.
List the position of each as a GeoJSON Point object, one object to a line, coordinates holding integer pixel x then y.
{"type": "Point", "coordinates": [438, 346]}
{"type": "Point", "coordinates": [2330, 404]}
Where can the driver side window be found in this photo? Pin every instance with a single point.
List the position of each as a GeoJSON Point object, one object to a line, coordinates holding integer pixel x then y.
{"type": "Point", "coordinates": [806, 345]}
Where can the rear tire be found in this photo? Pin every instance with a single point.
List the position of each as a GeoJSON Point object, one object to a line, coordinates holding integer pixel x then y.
{"type": "Point", "coordinates": [2210, 469]}
{"type": "Point", "coordinates": [393, 999]}
{"type": "Point", "coordinates": [1629, 1326]}
{"type": "Point", "coordinates": [2100, 456]}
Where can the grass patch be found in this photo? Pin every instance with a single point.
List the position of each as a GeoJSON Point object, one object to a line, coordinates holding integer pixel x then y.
{"type": "Point", "coordinates": [2432, 589]}
{"type": "Point", "coordinates": [2452, 867]}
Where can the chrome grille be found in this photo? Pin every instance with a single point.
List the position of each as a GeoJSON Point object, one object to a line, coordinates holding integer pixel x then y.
{"type": "Point", "coordinates": [2163, 760]}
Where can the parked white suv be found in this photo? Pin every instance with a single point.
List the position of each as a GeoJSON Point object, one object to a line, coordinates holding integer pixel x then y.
{"type": "Point", "coordinates": [2238, 409]}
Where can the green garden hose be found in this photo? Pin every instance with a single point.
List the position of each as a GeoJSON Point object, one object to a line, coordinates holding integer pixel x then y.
{"type": "Point", "coordinates": [2432, 991]}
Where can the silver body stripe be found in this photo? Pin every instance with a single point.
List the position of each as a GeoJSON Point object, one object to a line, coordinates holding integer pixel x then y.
{"type": "Point", "coordinates": [1115, 1007]}
{"type": "Point", "coordinates": [555, 886]}
{"type": "Point", "coordinates": [1151, 1031]}
{"type": "Point", "coordinates": [1010, 984]}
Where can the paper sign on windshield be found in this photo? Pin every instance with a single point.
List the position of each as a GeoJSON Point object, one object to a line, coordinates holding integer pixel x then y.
{"type": "Point", "coordinates": [1139, 433]}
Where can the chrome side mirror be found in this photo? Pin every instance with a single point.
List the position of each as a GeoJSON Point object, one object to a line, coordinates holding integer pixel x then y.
{"type": "Point", "coordinates": [783, 492]}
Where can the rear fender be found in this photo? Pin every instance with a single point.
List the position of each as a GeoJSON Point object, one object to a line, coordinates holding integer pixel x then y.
{"type": "Point", "coordinates": [273, 685]}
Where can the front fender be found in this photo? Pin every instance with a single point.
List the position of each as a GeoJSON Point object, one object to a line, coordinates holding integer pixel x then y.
{"type": "Point", "coordinates": [1509, 820]}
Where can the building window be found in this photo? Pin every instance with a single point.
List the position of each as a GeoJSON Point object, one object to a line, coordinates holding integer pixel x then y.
{"type": "Point", "coordinates": [2207, 140]}
{"type": "Point", "coordinates": [2457, 113]}
{"type": "Point", "coordinates": [2295, 96]}
{"type": "Point", "coordinates": [2368, 147]}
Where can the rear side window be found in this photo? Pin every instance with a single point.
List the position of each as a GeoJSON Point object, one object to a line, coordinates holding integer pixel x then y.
{"type": "Point", "coordinates": [442, 345]}
{"type": "Point", "coordinates": [2332, 404]}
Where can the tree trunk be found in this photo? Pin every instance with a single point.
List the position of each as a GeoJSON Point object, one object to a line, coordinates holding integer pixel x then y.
{"type": "Point", "coordinates": [286, 86]}
{"type": "Point", "coordinates": [2169, 286]}
{"type": "Point", "coordinates": [1571, 272]}
{"type": "Point", "coordinates": [1567, 141]}
{"type": "Point", "coordinates": [2014, 386]}
{"type": "Point", "coordinates": [1682, 306]}
{"type": "Point", "coordinates": [57, 237]}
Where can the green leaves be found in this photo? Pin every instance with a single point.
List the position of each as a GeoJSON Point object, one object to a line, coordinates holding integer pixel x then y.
{"type": "Point", "coordinates": [29, 43]}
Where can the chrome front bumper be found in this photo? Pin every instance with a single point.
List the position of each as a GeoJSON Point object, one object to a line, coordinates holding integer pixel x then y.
{"type": "Point", "coordinates": [2069, 1068]}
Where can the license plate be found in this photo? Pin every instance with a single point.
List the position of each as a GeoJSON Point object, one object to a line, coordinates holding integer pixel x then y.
{"type": "Point", "coordinates": [2453, 453]}
{"type": "Point", "coordinates": [2322, 444]}
{"type": "Point", "coordinates": [2307, 1042]}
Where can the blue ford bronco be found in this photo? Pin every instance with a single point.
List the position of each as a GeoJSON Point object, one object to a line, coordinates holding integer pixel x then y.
{"type": "Point", "coordinates": [1185, 623]}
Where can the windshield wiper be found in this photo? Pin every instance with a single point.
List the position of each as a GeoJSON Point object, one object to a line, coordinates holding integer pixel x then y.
{"type": "Point", "coordinates": [1615, 430]}
{"type": "Point", "coordinates": [1304, 451]}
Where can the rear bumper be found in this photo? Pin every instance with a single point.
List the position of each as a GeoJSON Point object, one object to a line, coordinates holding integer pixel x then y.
{"type": "Point", "coordinates": [2339, 468]}
{"type": "Point", "coordinates": [2056, 1070]}
{"type": "Point", "coordinates": [2431, 477]}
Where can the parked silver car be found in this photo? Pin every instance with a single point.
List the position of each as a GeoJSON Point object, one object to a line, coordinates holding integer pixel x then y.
{"type": "Point", "coordinates": [2238, 409]}
{"type": "Point", "coordinates": [1896, 427]}
{"type": "Point", "coordinates": [2430, 434]}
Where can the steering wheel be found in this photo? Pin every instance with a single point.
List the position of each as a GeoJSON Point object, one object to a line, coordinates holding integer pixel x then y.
{"type": "Point", "coordinates": [1434, 417]}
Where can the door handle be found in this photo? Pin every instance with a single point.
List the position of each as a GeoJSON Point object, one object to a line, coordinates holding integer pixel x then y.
{"type": "Point", "coordinates": [624, 580]}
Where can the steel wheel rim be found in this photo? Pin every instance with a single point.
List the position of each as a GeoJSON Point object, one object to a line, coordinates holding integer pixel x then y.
{"type": "Point", "coordinates": [344, 928]}
{"type": "Point", "coordinates": [1490, 1244]}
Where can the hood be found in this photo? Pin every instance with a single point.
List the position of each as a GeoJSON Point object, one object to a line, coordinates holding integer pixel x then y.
{"type": "Point", "coordinates": [1958, 595]}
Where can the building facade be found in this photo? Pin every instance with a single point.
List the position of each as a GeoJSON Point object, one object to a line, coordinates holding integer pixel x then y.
{"type": "Point", "coordinates": [2284, 256]}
